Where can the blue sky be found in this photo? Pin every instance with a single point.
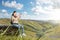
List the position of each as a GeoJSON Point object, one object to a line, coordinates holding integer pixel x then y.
{"type": "Point", "coordinates": [31, 9]}
{"type": "Point", "coordinates": [26, 5]}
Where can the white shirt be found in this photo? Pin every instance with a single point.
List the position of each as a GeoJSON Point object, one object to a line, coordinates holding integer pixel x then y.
{"type": "Point", "coordinates": [14, 19]}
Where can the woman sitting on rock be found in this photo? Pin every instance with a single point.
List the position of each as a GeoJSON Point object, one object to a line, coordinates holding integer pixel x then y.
{"type": "Point", "coordinates": [14, 21]}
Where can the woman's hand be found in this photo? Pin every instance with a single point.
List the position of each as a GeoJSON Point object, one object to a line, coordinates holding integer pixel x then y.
{"type": "Point", "coordinates": [19, 15]}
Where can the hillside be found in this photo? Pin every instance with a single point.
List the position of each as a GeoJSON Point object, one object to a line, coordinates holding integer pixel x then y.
{"type": "Point", "coordinates": [35, 30]}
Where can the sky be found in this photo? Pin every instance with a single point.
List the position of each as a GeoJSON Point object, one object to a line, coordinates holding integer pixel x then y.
{"type": "Point", "coordinates": [31, 9]}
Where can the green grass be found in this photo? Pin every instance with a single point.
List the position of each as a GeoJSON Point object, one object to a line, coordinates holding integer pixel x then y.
{"type": "Point", "coordinates": [35, 30]}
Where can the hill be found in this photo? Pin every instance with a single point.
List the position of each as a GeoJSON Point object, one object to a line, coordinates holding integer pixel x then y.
{"type": "Point", "coordinates": [35, 30]}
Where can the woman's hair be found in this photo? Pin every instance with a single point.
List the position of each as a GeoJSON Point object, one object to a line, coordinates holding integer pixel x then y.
{"type": "Point", "coordinates": [13, 13]}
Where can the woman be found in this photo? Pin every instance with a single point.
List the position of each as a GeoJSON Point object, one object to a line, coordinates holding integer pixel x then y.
{"type": "Point", "coordinates": [14, 22]}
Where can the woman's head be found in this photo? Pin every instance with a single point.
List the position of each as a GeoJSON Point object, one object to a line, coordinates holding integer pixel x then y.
{"type": "Point", "coordinates": [14, 13]}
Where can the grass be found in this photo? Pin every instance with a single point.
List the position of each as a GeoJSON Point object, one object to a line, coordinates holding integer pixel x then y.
{"type": "Point", "coordinates": [35, 30]}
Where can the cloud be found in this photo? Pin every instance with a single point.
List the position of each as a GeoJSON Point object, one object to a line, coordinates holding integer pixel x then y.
{"type": "Point", "coordinates": [31, 2]}
{"type": "Point", "coordinates": [47, 10]}
{"type": "Point", "coordinates": [4, 14]}
{"type": "Point", "coordinates": [12, 4]}
{"type": "Point", "coordinates": [25, 15]}
{"type": "Point", "coordinates": [54, 3]}
{"type": "Point", "coordinates": [3, 10]}
{"type": "Point", "coordinates": [43, 9]}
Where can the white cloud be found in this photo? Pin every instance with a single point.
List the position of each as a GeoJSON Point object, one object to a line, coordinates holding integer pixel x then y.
{"type": "Point", "coordinates": [25, 15]}
{"type": "Point", "coordinates": [43, 13]}
{"type": "Point", "coordinates": [4, 14]}
{"type": "Point", "coordinates": [3, 10]}
{"type": "Point", "coordinates": [12, 4]}
{"type": "Point", "coordinates": [31, 2]}
{"type": "Point", "coordinates": [49, 9]}
{"type": "Point", "coordinates": [44, 10]}
{"type": "Point", "coordinates": [55, 3]}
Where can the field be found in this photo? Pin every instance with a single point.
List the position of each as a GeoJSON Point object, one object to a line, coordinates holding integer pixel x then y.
{"type": "Point", "coordinates": [34, 30]}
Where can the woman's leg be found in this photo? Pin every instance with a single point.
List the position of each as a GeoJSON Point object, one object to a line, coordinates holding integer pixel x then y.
{"type": "Point", "coordinates": [18, 26]}
{"type": "Point", "coordinates": [23, 33]}
{"type": "Point", "coordinates": [22, 28]}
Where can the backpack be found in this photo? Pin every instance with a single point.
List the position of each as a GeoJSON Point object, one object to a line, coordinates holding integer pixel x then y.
{"type": "Point", "coordinates": [11, 22]}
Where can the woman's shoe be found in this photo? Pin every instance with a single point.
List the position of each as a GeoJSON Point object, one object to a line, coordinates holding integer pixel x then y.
{"type": "Point", "coordinates": [23, 34]}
